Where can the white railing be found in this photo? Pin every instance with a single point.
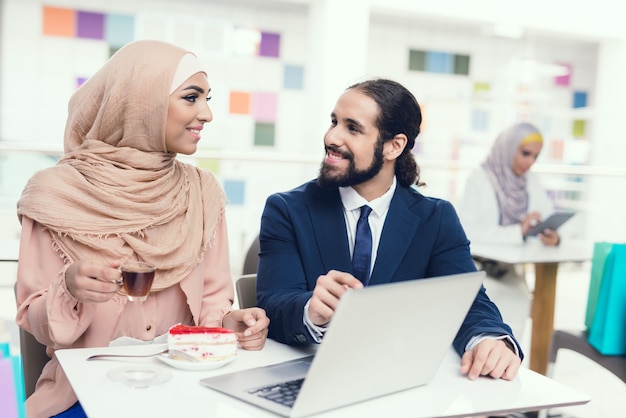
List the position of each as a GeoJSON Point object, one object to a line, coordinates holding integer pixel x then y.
{"type": "Point", "coordinates": [291, 158]}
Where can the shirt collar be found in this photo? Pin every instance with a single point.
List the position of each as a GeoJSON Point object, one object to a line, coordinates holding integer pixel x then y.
{"type": "Point", "coordinates": [351, 200]}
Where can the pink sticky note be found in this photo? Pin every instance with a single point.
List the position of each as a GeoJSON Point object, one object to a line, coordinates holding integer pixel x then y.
{"type": "Point", "coordinates": [564, 80]}
{"type": "Point", "coordinates": [264, 107]}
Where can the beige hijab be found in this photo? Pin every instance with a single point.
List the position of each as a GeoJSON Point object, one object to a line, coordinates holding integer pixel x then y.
{"type": "Point", "coordinates": [117, 194]}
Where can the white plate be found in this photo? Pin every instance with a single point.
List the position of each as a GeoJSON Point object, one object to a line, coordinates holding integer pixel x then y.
{"type": "Point", "coordinates": [139, 376]}
{"type": "Point", "coordinates": [193, 366]}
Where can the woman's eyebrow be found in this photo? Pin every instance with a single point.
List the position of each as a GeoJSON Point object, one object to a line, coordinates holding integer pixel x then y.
{"type": "Point", "coordinates": [196, 88]}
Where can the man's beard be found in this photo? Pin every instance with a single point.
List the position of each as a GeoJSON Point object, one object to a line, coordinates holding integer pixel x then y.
{"type": "Point", "coordinates": [330, 176]}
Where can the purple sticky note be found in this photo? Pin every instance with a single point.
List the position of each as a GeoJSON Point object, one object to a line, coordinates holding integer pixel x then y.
{"type": "Point", "coordinates": [90, 25]}
{"type": "Point", "coordinates": [270, 45]}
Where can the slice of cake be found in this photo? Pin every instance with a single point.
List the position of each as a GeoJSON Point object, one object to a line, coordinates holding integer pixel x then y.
{"type": "Point", "coordinates": [203, 343]}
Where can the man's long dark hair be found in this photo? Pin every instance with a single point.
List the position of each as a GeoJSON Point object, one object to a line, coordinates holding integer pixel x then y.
{"type": "Point", "coordinates": [399, 113]}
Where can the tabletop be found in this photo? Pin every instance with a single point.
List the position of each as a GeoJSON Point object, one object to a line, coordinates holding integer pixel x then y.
{"type": "Point", "coordinates": [449, 394]}
{"type": "Point", "coordinates": [534, 251]}
{"type": "Point", "coordinates": [546, 260]}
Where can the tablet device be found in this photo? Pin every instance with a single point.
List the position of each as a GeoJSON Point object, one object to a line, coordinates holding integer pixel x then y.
{"type": "Point", "coordinates": [553, 222]}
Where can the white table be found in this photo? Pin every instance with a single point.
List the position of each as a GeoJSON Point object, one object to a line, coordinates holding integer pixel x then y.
{"type": "Point", "coordinates": [546, 261]}
{"type": "Point", "coordinates": [448, 395]}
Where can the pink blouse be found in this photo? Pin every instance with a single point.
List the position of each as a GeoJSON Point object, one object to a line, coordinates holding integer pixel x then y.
{"type": "Point", "coordinates": [48, 311]}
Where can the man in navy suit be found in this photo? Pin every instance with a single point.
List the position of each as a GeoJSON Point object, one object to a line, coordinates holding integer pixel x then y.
{"type": "Point", "coordinates": [307, 234]}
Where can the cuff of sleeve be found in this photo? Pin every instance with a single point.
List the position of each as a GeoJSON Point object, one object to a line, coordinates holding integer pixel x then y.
{"type": "Point", "coordinates": [317, 332]}
{"type": "Point", "coordinates": [473, 342]}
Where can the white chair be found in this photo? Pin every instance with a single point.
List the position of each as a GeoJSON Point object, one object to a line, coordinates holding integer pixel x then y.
{"type": "Point", "coordinates": [245, 287]}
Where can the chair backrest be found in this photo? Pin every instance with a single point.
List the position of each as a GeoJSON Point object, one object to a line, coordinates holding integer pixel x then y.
{"type": "Point", "coordinates": [251, 261]}
{"type": "Point", "coordinates": [246, 290]}
{"type": "Point", "coordinates": [579, 342]}
{"type": "Point", "coordinates": [34, 358]}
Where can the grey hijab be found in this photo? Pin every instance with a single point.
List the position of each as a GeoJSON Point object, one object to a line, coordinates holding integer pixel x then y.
{"type": "Point", "coordinates": [510, 189]}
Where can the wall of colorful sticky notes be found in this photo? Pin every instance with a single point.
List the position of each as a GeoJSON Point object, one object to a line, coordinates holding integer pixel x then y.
{"type": "Point", "coordinates": [253, 42]}
{"type": "Point", "coordinates": [116, 29]}
{"type": "Point", "coordinates": [293, 78]}
{"type": "Point", "coordinates": [264, 134]}
{"type": "Point", "coordinates": [439, 62]}
{"type": "Point", "coordinates": [235, 191]}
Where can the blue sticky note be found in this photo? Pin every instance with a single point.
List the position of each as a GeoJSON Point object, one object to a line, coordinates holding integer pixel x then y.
{"type": "Point", "coordinates": [235, 191]}
{"type": "Point", "coordinates": [119, 29]}
{"type": "Point", "coordinates": [294, 77]}
{"type": "Point", "coordinates": [579, 99]}
{"type": "Point", "coordinates": [439, 62]}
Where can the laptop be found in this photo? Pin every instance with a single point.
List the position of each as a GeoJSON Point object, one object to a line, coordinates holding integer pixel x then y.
{"type": "Point", "coordinates": [382, 339]}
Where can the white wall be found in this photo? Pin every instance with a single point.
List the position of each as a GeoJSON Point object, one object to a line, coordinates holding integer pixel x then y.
{"type": "Point", "coordinates": [37, 79]}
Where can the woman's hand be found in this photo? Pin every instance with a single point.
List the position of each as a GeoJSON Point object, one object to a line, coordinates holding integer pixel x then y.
{"type": "Point", "coordinates": [93, 282]}
{"type": "Point", "coordinates": [250, 326]}
{"type": "Point", "coordinates": [549, 237]}
{"type": "Point", "coordinates": [530, 220]}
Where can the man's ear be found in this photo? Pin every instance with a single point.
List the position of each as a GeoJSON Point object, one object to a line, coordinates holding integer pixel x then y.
{"type": "Point", "coordinates": [395, 146]}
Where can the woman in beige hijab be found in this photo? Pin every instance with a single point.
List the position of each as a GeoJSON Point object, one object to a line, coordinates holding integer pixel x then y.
{"type": "Point", "coordinates": [120, 194]}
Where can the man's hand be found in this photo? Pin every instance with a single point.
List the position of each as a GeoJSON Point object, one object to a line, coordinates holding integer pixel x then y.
{"type": "Point", "coordinates": [328, 290]}
{"type": "Point", "coordinates": [490, 357]}
{"type": "Point", "coordinates": [250, 326]}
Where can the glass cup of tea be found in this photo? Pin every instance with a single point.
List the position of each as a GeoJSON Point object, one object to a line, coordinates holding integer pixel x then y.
{"type": "Point", "coordinates": [137, 277]}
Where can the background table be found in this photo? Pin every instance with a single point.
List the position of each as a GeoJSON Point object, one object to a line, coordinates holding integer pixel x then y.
{"type": "Point", "coordinates": [449, 394]}
{"type": "Point", "coordinates": [546, 261]}
{"type": "Point", "coordinates": [9, 249]}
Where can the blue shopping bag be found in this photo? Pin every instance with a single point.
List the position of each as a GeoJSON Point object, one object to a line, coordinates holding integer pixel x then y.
{"type": "Point", "coordinates": [601, 251]}
{"type": "Point", "coordinates": [608, 329]}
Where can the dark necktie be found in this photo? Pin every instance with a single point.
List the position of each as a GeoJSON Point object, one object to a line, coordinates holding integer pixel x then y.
{"type": "Point", "coordinates": [362, 255]}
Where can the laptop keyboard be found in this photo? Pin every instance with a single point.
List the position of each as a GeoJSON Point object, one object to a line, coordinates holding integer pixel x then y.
{"type": "Point", "coordinates": [283, 393]}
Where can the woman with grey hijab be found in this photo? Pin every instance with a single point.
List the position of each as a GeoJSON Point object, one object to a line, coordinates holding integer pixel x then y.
{"type": "Point", "coordinates": [502, 199]}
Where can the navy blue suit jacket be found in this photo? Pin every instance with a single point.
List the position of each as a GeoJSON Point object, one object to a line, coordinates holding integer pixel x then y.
{"type": "Point", "coordinates": [303, 235]}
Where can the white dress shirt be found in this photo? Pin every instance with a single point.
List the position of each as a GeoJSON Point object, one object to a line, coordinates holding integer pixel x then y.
{"type": "Point", "coordinates": [352, 202]}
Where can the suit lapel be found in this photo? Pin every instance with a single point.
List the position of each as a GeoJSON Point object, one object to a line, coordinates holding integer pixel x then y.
{"type": "Point", "coordinates": [329, 228]}
{"type": "Point", "coordinates": [398, 233]}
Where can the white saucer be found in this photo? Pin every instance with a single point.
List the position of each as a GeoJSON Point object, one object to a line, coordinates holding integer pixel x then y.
{"type": "Point", "coordinates": [193, 366]}
{"type": "Point", "coordinates": [139, 376]}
